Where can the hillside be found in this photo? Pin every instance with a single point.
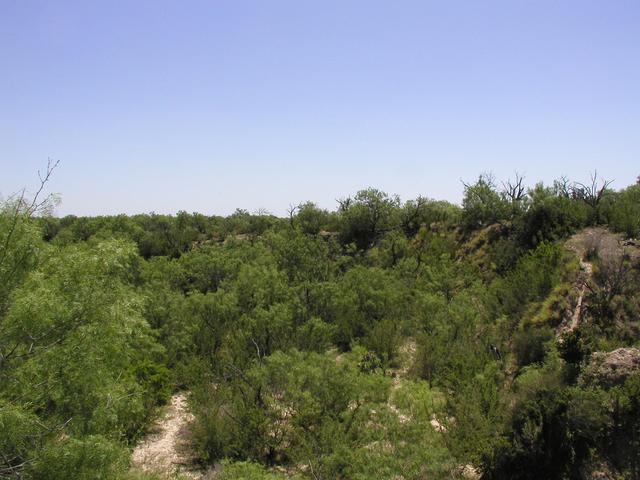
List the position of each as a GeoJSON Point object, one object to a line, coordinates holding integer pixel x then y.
{"type": "Point", "coordinates": [387, 339]}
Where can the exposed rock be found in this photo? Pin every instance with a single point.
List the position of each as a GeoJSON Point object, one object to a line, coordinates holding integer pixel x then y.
{"type": "Point", "coordinates": [600, 242]}
{"type": "Point", "coordinates": [328, 235]}
{"type": "Point", "coordinates": [612, 368]}
{"type": "Point", "coordinates": [468, 471]}
{"type": "Point", "coordinates": [601, 471]}
{"type": "Point", "coordinates": [437, 426]}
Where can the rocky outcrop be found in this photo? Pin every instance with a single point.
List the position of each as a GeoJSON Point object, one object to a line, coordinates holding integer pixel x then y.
{"type": "Point", "coordinates": [608, 369]}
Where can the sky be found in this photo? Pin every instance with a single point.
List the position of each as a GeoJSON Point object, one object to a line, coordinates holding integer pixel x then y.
{"type": "Point", "coordinates": [214, 105]}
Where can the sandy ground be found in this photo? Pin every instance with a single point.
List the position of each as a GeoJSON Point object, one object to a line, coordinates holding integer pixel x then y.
{"type": "Point", "coordinates": [570, 324]}
{"type": "Point", "coordinates": [162, 451]}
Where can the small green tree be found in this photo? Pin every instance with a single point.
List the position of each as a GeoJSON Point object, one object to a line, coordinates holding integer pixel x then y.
{"type": "Point", "coordinates": [370, 213]}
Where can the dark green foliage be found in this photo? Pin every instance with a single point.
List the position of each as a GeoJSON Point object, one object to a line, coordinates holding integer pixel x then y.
{"type": "Point", "coordinates": [625, 436]}
{"type": "Point", "coordinates": [21, 436]}
{"type": "Point", "coordinates": [552, 215]}
{"type": "Point", "coordinates": [315, 335]}
{"type": "Point", "coordinates": [535, 274]}
{"type": "Point", "coordinates": [575, 348]}
{"type": "Point", "coordinates": [311, 219]}
{"type": "Point", "coordinates": [367, 297]}
{"type": "Point", "coordinates": [553, 433]}
{"type": "Point", "coordinates": [479, 409]}
{"type": "Point", "coordinates": [623, 211]}
{"type": "Point", "coordinates": [155, 379]}
{"type": "Point", "coordinates": [529, 345]}
{"type": "Point", "coordinates": [366, 216]}
{"type": "Point", "coordinates": [424, 212]}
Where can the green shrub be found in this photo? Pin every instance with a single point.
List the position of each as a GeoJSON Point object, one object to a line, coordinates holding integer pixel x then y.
{"type": "Point", "coordinates": [88, 458]}
{"type": "Point", "coordinates": [529, 345]}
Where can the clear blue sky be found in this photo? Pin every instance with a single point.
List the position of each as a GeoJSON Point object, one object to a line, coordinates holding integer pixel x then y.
{"type": "Point", "coordinates": [212, 105]}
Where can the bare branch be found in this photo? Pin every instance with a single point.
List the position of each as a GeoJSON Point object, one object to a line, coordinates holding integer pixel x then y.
{"type": "Point", "coordinates": [514, 190]}
{"type": "Point", "coordinates": [291, 211]}
{"type": "Point", "coordinates": [592, 193]}
{"type": "Point", "coordinates": [344, 203]}
{"type": "Point", "coordinates": [562, 187]}
{"type": "Point", "coordinates": [37, 205]}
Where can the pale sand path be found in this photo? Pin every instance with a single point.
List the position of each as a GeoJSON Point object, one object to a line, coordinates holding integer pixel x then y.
{"type": "Point", "coordinates": [162, 451]}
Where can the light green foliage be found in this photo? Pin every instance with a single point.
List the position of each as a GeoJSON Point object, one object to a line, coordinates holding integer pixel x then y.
{"type": "Point", "coordinates": [204, 269]}
{"type": "Point", "coordinates": [247, 471]}
{"type": "Point", "coordinates": [477, 410]}
{"type": "Point", "coordinates": [391, 249]}
{"type": "Point", "coordinates": [482, 204]}
{"type": "Point", "coordinates": [452, 346]}
{"type": "Point", "coordinates": [91, 458]}
{"type": "Point", "coordinates": [77, 359]}
{"type": "Point", "coordinates": [324, 417]}
{"type": "Point", "coordinates": [76, 329]}
{"type": "Point", "coordinates": [289, 406]}
{"type": "Point", "coordinates": [20, 248]}
{"type": "Point", "coordinates": [302, 257]}
{"type": "Point", "coordinates": [259, 286]}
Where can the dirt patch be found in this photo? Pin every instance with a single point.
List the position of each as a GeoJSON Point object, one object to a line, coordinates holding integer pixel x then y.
{"type": "Point", "coordinates": [407, 357]}
{"type": "Point", "coordinates": [579, 288]}
{"type": "Point", "coordinates": [163, 450]}
{"type": "Point", "coordinates": [608, 246]}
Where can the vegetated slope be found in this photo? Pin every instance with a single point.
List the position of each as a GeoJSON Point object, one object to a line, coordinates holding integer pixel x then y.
{"type": "Point", "coordinates": [614, 256]}
{"type": "Point", "coordinates": [383, 340]}
{"type": "Point", "coordinates": [580, 393]}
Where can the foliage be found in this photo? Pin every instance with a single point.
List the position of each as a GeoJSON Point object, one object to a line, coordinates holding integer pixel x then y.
{"type": "Point", "coordinates": [380, 340]}
{"type": "Point", "coordinates": [623, 211]}
{"type": "Point", "coordinates": [366, 216]}
{"type": "Point", "coordinates": [91, 458]}
{"type": "Point", "coordinates": [482, 204]}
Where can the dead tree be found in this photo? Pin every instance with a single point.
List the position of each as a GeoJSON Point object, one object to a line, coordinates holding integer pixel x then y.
{"type": "Point", "coordinates": [562, 187]}
{"type": "Point", "coordinates": [591, 193]}
{"type": "Point", "coordinates": [411, 215]}
{"type": "Point", "coordinates": [344, 203]}
{"type": "Point", "coordinates": [291, 211]}
{"type": "Point", "coordinates": [514, 191]}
